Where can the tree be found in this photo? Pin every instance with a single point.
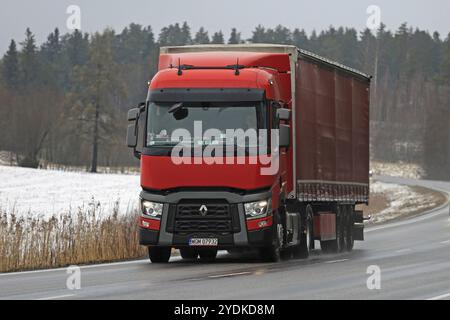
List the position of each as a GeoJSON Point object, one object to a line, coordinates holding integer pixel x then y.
{"type": "Point", "coordinates": [98, 90]}
{"type": "Point", "coordinates": [201, 37]}
{"type": "Point", "coordinates": [259, 35]}
{"type": "Point", "coordinates": [186, 34]}
{"type": "Point", "coordinates": [52, 61]}
{"type": "Point", "coordinates": [10, 67]}
{"type": "Point", "coordinates": [29, 62]}
{"type": "Point", "coordinates": [76, 46]}
{"type": "Point", "coordinates": [300, 39]}
{"type": "Point", "coordinates": [174, 35]}
{"type": "Point", "coordinates": [235, 37]}
{"type": "Point", "coordinates": [218, 38]}
{"type": "Point", "coordinates": [445, 64]}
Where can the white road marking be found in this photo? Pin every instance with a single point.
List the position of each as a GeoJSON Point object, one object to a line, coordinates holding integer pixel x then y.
{"type": "Point", "coordinates": [82, 267]}
{"type": "Point", "coordinates": [445, 242]}
{"type": "Point", "coordinates": [404, 250]}
{"type": "Point", "coordinates": [443, 296]}
{"type": "Point", "coordinates": [230, 275]}
{"type": "Point", "coordinates": [57, 297]}
{"type": "Point", "coordinates": [335, 261]}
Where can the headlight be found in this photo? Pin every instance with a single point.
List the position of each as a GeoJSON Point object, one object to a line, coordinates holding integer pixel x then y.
{"type": "Point", "coordinates": [256, 210]}
{"type": "Point", "coordinates": [152, 209]}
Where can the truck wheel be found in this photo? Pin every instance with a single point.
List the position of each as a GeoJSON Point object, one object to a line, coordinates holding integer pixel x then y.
{"type": "Point", "coordinates": [188, 253]}
{"type": "Point", "coordinates": [337, 245]}
{"type": "Point", "coordinates": [208, 254]}
{"type": "Point", "coordinates": [272, 253]}
{"type": "Point", "coordinates": [350, 241]}
{"type": "Point", "coordinates": [307, 237]}
{"type": "Point", "coordinates": [159, 254]}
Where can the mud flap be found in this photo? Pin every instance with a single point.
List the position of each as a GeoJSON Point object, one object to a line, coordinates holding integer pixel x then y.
{"type": "Point", "coordinates": [358, 232]}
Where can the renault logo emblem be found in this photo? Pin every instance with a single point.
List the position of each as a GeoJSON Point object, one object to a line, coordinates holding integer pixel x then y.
{"type": "Point", "coordinates": [203, 210]}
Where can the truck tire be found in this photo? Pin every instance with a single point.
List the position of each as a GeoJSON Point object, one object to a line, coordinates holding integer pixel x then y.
{"type": "Point", "coordinates": [207, 254]}
{"type": "Point", "coordinates": [337, 245]}
{"type": "Point", "coordinates": [272, 253]}
{"type": "Point", "coordinates": [188, 253]}
{"type": "Point", "coordinates": [350, 241]}
{"type": "Point", "coordinates": [159, 254]}
{"type": "Point", "coordinates": [306, 245]}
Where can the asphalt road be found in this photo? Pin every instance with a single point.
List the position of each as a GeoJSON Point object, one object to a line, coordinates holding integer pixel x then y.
{"type": "Point", "coordinates": [413, 257]}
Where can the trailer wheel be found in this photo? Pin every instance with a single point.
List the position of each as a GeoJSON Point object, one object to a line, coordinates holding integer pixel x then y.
{"type": "Point", "coordinates": [159, 254]}
{"type": "Point", "coordinates": [207, 254]}
{"type": "Point", "coordinates": [272, 253]}
{"type": "Point", "coordinates": [350, 241]}
{"type": "Point", "coordinates": [188, 253]}
{"type": "Point", "coordinates": [306, 245]}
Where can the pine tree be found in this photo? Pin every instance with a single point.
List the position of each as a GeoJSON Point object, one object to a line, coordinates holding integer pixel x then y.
{"type": "Point", "coordinates": [29, 61]}
{"type": "Point", "coordinates": [174, 35]}
{"type": "Point", "coordinates": [10, 68]}
{"type": "Point", "coordinates": [52, 71]}
{"type": "Point", "coordinates": [76, 46]}
{"type": "Point", "coordinates": [281, 35]}
{"type": "Point", "coordinates": [235, 37]}
{"type": "Point", "coordinates": [98, 90]}
{"type": "Point", "coordinates": [259, 35]}
{"type": "Point", "coordinates": [300, 39]}
{"type": "Point", "coordinates": [445, 64]}
{"type": "Point", "coordinates": [201, 37]}
{"type": "Point", "coordinates": [218, 38]}
{"type": "Point", "coordinates": [186, 34]}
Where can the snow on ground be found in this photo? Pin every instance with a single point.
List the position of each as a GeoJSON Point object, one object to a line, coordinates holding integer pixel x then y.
{"type": "Point", "coordinates": [402, 201]}
{"type": "Point", "coordinates": [397, 169]}
{"type": "Point", "coordinates": [48, 192]}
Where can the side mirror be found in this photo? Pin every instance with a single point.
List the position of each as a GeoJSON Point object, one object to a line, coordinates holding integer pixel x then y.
{"type": "Point", "coordinates": [285, 136]}
{"type": "Point", "coordinates": [284, 114]}
{"type": "Point", "coordinates": [131, 136]}
{"type": "Point", "coordinates": [133, 114]}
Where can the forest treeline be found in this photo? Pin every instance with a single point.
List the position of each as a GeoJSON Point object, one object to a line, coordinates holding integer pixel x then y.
{"type": "Point", "coordinates": [64, 101]}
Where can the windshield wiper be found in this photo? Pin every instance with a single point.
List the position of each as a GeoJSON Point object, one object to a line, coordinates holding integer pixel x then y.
{"type": "Point", "coordinates": [176, 107]}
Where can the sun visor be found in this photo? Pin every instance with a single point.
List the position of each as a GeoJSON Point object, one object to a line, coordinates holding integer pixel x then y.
{"type": "Point", "coordinates": [206, 95]}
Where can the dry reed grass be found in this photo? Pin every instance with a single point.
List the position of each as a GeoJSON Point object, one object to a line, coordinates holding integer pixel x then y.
{"type": "Point", "coordinates": [88, 236]}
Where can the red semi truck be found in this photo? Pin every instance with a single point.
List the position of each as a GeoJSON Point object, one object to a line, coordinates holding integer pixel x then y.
{"type": "Point", "coordinates": [319, 110]}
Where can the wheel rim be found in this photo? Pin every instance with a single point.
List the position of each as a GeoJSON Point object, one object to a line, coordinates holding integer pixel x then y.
{"type": "Point", "coordinates": [280, 235]}
{"type": "Point", "coordinates": [308, 235]}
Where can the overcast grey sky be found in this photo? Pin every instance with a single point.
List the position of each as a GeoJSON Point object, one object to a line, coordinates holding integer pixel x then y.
{"type": "Point", "coordinates": [42, 16]}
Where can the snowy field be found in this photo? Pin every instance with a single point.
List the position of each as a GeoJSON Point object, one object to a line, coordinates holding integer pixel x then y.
{"type": "Point", "coordinates": [397, 169]}
{"type": "Point", "coordinates": [52, 192]}
{"type": "Point", "coordinates": [48, 192]}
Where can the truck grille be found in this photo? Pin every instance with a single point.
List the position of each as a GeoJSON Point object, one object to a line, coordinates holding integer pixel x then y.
{"type": "Point", "coordinates": [203, 226]}
{"type": "Point", "coordinates": [214, 216]}
{"type": "Point", "coordinates": [210, 211]}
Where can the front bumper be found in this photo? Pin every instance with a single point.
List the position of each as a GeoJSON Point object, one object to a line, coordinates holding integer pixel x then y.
{"type": "Point", "coordinates": [239, 236]}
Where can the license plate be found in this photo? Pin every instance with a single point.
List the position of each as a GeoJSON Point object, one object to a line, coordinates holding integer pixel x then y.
{"type": "Point", "coordinates": [203, 242]}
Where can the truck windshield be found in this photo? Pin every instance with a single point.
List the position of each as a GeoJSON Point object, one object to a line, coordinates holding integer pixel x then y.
{"type": "Point", "coordinates": [165, 118]}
